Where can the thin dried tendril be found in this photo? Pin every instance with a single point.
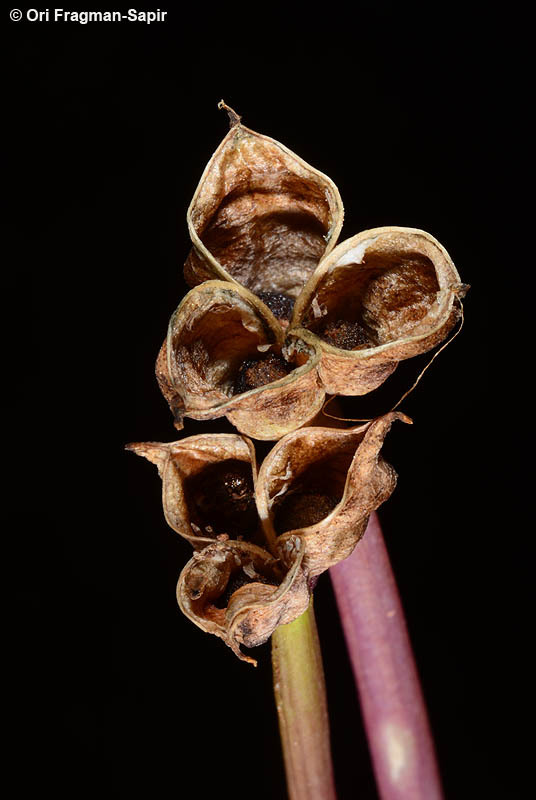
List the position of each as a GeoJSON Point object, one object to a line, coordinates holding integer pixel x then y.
{"type": "Point", "coordinates": [348, 419]}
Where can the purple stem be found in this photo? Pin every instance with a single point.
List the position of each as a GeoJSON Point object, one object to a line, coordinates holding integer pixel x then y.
{"type": "Point", "coordinates": [391, 697]}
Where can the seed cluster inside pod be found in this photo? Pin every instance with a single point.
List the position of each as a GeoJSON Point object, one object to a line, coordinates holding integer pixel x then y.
{"type": "Point", "coordinates": [215, 343]}
{"type": "Point", "coordinates": [281, 305]}
{"type": "Point", "coordinates": [260, 370]}
{"type": "Point", "coordinates": [222, 341]}
{"type": "Point", "coordinates": [343, 333]}
{"type": "Point", "coordinates": [380, 290]}
{"type": "Point", "coordinates": [223, 349]}
{"type": "Point", "coordinates": [381, 299]}
{"type": "Point", "coordinates": [302, 508]}
{"type": "Point", "coordinates": [220, 499]}
{"type": "Point", "coordinates": [314, 489]}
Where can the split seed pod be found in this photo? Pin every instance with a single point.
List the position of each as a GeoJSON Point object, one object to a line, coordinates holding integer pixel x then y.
{"type": "Point", "coordinates": [241, 593]}
{"type": "Point", "coordinates": [261, 216]}
{"type": "Point", "coordinates": [321, 484]}
{"type": "Point", "coordinates": [208, 486]}
{"type": "Point", "coordinates": [226, 355]}
{"type": "Point", "coordinates": [380, 297]}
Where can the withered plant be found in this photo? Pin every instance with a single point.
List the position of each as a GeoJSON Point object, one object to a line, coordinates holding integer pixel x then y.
{"type": "Point", "coordinates": [278, 319]}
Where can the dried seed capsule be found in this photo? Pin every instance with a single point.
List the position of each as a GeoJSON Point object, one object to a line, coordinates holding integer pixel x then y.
{"type": "Point", "coordinates": [241, 593]}
{"type": "Point", "coordinates": [261, 216]}
{"type": "Point", "coordinates": [380, 297]}
{"type": "Point", "coordinates": [208, 486]}
{"type": "Point", "coordinates": [321, 484]}
{"type": "Point", "coordinates": [225, 355]}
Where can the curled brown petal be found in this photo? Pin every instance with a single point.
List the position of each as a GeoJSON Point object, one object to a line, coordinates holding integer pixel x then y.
{"type": "Point", "coordinates": [208, 486]}
{"type": "Point", "coordinates": [241, 593]}
{"type": "Point", "coordinates": [225, 355]}
{"type": "Point", "coordinates": [380, 297]}
{"type": "Point", "coordinates": [260, 216]}
{"type": "Point", "coordinates": [321, 484]}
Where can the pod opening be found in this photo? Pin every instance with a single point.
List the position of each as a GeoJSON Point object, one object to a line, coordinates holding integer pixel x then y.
{"type": "Point", "coordinates": [313, 494]}
{"type": "Point", "coordinates": [244, 575]}
{"type": "Point", "coordinates": [269, 230]}
{"type": "Point", "coordinates": [221, 500]}
{"type": "Point", "coordinates": [384, 297]}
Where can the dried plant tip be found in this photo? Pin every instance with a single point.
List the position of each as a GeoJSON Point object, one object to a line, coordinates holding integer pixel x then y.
{"type": "Point", "coordinates": [255, 372]}
{"type": "Point", "coordinates": [234, 118]}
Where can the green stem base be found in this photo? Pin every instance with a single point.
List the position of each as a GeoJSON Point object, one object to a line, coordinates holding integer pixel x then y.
{"type": "Point", "coordinates": [300, 695]}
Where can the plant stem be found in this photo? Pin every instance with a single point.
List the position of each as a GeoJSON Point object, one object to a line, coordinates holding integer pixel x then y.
{"type": "Point", "coordinates": [391, 698]}
{"type": "Point", "coordinates": [300, 695]}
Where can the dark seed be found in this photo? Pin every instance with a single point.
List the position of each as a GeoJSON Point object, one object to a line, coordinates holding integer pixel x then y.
{"type": "Point", "coordinates": [280, 305]}
{"type": "Point", "coordinates": [301, 509]}
{"type": "Point", "coordinates": [222, 495]}
{"type": "Point", "coordinates": [257, 372]}
{"type": "Point", "coordinates": [345, 335]}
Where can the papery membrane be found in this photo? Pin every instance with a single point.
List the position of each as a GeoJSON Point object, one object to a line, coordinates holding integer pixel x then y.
{"type": "Point", "coordinates": [344, 465]}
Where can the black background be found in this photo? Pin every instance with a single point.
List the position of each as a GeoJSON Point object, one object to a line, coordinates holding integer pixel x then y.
{"type": "Point", "coordinates": [112, 127]}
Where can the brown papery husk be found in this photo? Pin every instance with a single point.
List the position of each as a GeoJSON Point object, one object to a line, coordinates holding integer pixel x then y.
{"type": "Point", "coordinates": [216, 327]}
{"type": "Point", "coordinates": [350, 458]}
{"type": "Point", "coordinates": [254, 611]}
{"type": "Point", "coordinates": [400, 283]}
{"type": "Point", "coordinates": [181, 461]}
{"type": "Point", "coordinates": [260, 216]}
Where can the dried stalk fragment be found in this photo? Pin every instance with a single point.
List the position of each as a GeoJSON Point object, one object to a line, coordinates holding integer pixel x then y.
{"type": "Point", "coordinates": [208, 486]}
{"type": "Point", "coordinates": [321, 484]}
{"type": "Point", "coordinates": [261, 216]}
{"type": "Point", "coordinates": [380, 297]}
{"type": "Point", "coordinates": [225, 355]}
{"type": "Point", "coordinates": [270, 592]}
